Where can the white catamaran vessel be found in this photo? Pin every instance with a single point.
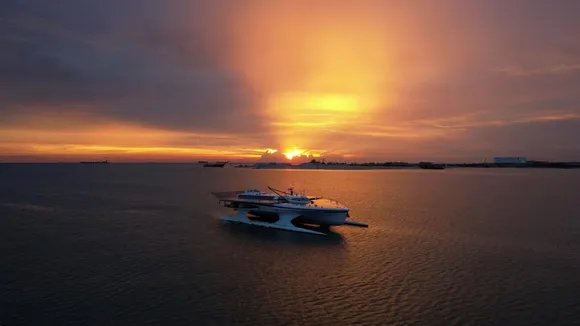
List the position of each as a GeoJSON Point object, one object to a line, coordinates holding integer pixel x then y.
{"type": "Point", "coordinates": [284, 210]}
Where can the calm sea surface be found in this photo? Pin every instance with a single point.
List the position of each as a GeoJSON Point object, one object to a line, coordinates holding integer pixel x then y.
{"type": "Point", "coordinates": [135, 244]}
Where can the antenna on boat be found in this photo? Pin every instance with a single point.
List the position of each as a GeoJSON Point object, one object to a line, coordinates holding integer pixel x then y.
{"type": "Point", "coordinates": [281, 194]}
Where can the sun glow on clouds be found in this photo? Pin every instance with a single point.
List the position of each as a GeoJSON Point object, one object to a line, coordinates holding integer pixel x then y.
{"type": "Point", "coordinates": [299, 117]}
{"type": "Point", "coordinates": [316, 71]}
{"type": "Point", "coordinates": [301, 79]}
{"type": "Point", "coordinates": [293, 153]}
{"type": "Point", "coordinates": [47, 140]}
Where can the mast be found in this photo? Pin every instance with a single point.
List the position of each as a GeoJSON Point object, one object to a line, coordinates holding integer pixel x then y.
{"type": "Point", "coordinates": [280, 194]}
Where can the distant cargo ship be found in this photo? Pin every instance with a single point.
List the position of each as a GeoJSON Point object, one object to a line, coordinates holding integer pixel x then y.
{"type": "Point", "coordinates": [215, 165]}
{"type": "Point", "coordinates": [95, 162]}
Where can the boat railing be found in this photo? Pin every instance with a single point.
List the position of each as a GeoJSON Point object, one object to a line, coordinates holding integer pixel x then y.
{"type": "Point", "coordinates": [332, 201]}
{"type": "Point", "coordinates": [283, 196]}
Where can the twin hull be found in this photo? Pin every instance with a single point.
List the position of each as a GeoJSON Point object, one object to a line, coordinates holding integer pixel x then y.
{"type": "Point", "coordinates": [331, 216]}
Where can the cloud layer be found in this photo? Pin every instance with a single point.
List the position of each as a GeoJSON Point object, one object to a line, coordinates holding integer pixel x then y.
{"type": "Point", "coordinates": [380, 80]}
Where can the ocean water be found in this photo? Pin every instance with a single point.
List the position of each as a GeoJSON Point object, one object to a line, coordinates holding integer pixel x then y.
{"type": "Point", "coordinates": [136, 244]}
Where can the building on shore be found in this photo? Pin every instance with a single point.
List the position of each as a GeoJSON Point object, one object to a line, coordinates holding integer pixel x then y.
{"type": "Point", "coordinates": [510, 160]}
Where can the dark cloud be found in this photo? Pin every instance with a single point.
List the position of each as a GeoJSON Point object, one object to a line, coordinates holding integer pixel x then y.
{"type": "Point", "coordinates": [548, 140]}
{"type": "Point", "coordinates": [140, 61]}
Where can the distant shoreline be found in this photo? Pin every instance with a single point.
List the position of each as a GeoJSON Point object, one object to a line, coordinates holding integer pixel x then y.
{"type": "Point", "coordinates": [345, 166]}
{"type": "Point", "coordinates": [399, 166]}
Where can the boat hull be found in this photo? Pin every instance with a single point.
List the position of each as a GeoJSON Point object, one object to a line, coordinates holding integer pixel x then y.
{"type": "Point", "coordinates": [336, 218]}
{"type": "Point", "coordinates": [308, 216]}
{"type": "Point", "coordinates": [287, 212]}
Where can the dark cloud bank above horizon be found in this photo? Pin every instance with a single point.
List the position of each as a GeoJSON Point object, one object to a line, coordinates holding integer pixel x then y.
{"type": "Point", "coordinates": [131, 60]}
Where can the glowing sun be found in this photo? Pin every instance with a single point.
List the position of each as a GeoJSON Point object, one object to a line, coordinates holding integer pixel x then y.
{"type": "Point", "coordinates": [293, 153]}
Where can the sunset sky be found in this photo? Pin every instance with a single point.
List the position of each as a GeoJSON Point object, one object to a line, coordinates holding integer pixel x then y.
{"type": "Point", "coordinates": [183, 80]}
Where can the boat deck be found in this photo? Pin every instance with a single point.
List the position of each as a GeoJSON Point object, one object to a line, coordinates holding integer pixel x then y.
{"type": "Point", "coordinates": [325, 203]}
{"type": "Point", "coordinates": [231, 197]}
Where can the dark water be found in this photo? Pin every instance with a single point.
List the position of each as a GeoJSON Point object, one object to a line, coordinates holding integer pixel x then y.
{"type": "Point", "coordinates": [142, 244]}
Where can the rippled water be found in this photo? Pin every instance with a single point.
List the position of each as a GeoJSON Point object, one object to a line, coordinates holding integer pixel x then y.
{"type": "Point", "coordinates": [142, 244]}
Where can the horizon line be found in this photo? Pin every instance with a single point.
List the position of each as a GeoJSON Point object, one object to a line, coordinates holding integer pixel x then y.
{"type": "Point", "coordinates": [279, 162]}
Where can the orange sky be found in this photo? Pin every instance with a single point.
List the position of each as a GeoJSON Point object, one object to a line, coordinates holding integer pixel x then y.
{"type": "Point", "coordinates": [345, 80]}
